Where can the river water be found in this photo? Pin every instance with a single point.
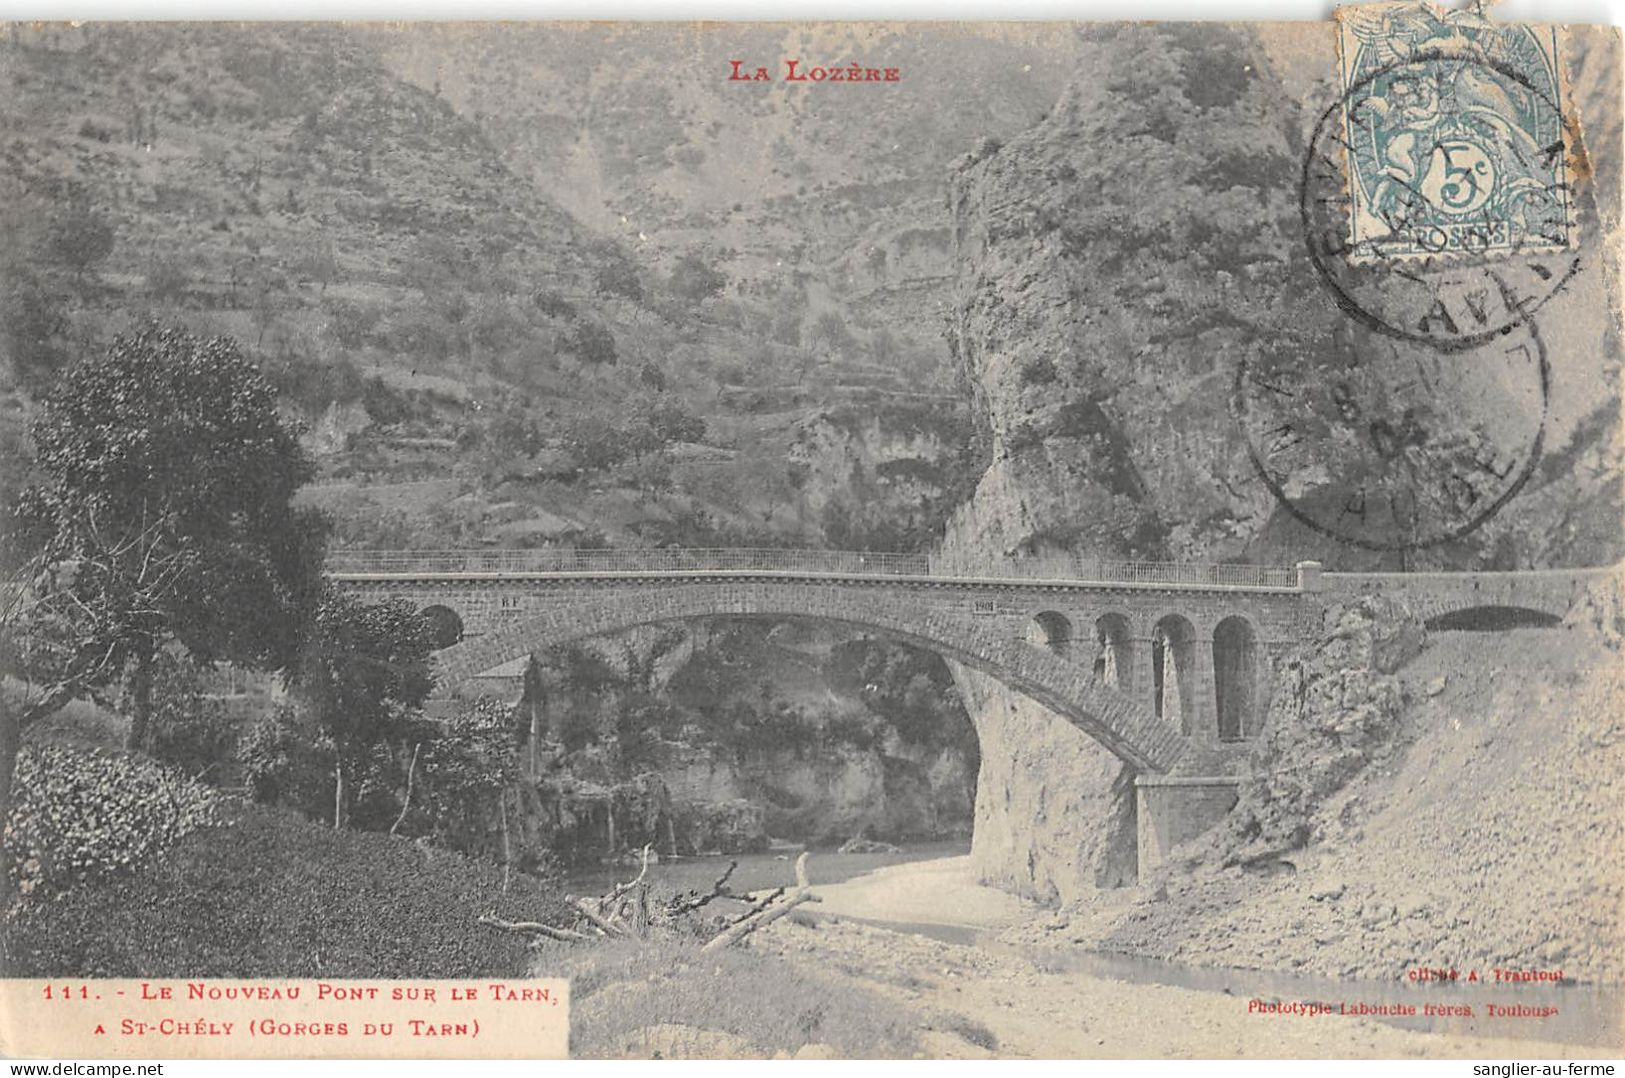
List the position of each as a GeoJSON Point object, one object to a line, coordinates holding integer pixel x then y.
{"type": "Point", "coordinates": [757, 871]}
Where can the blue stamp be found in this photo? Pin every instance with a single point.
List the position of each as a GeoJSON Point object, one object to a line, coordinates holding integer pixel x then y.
{"type": "Point", "coordinates": [1454, 137]}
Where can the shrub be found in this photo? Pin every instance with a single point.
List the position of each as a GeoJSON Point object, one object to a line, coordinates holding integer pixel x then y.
{"type": "Point", "coordinates": [267, 894]}
{"type": "Point", "coordinates": [693, 279]}
{"type": "Point", "coordinates": [384, 404]}
{"type": "Point", "coordinates": [85, 814]}
{"type": "Point", "coordinates": [190, 731]}
{"type": "Point", "coordinates": [352, 324]}
{"type": "Point", "coordinates": [554, 305]}
{"type": "Point", "coordinates": [167, 277]}
{"type": "Point", "coordinates": [282, 764]}
{"type": "Point", "coordinates": [1038, 371]}
{"type": "Point", "coordinates": [467, 763]}
{"type": "Point", "coordinates": [593, 344]}
{"type": "Point", "coordinates": [652, 376]}
{"type": "Point", "coordinates": [671, 422]}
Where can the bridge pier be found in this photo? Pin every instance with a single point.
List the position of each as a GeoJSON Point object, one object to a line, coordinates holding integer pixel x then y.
{"type": "Point", "coordinates": [1141, 682]}
{"type": "Point", "coordinates": [1170, 809]}
{"type": "Point", "coordinates": [1204, 696]}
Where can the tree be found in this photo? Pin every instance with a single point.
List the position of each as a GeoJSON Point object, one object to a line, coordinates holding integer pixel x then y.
{"type": "Point", "coordinates": [469, 761]}
{"type": "Point", "coordinates": [79, 237]}
{"type": "Point", "coordinates": [693, 279]}
{"type": "Point", "coordinates": [363, 674]}
{"type": "Point", "coordinates": [32, 328]}
{"type": "Point", "coordinates": [160, 517]}
{"type": "Point", "coordinates": [671, 422]}
{"type": "Point", "coordinates": [593, 344]}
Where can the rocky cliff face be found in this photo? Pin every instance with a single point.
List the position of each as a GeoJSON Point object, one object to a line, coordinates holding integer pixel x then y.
{"type": "Point", "coordinates": [716, 736]}
{"type": "Point", "coordinates": [1117, 264]}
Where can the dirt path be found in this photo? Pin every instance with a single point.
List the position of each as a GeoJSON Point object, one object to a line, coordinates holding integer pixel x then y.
{"type": "Point", "coordinates": [974, 1002]}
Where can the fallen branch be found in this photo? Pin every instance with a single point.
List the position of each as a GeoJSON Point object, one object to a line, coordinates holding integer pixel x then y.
{"type": "Point", "coordinates": [740, 930]}
{"type": "Point", "coordinates": [564, 935]}
{"type": "Point", "coordinates": [744, 927]}
{"type": "Point", "coordinates": [607, 927]}
{"type": "Point", "coordinates": [622, 888]}
{"type": "Point", "coordinates": [680, 906]}
{"type": "Point", "coordinates": [766, 900]}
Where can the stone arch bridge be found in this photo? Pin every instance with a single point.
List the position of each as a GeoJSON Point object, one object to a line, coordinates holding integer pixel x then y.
{"type": "Point", "coordinates": [1166, 665]}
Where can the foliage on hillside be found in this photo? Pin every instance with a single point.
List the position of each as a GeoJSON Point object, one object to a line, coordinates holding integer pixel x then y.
{"type": "Point", "coordinates": [415, 296]}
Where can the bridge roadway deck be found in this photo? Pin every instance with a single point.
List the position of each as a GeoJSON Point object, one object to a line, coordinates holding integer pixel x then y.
{"type": "Point", "coordinates": [679, 575]}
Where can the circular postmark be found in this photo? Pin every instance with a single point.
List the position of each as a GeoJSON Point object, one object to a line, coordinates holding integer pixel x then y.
{"type": "Point", "coordinates": [1389, 446]}
{"type": "Point", "coordinates": [1435, 198]}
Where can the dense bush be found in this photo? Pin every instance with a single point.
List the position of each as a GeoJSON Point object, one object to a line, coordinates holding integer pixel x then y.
{"type": "Point", "coordinates": [80, 815]}
{"type": "Point", "coordinates": [268, 894]}
{"type": "Point", "coordinates": [468, 762]}
{"type": "Point", "coordinates": [284, 764]}
{"type": "Point", "coordinates": [693, 279]}
{"type": "Point", "coordinates": [1038, 371]}
{"type": "Point", "coordinates": [190, 731]}
{"type": "Point", "coordinates": [593, 344]}
{"type": "Point", "coordinates": [314, 384]}
{"type": "Point", "coordinates": [671, 422]}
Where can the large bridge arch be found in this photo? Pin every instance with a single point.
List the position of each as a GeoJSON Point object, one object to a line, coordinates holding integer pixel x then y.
{"type": "Point", "coordinates": [1063, 685]}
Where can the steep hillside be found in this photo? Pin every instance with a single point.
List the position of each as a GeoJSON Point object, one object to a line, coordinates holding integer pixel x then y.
{"type": "Point", "coordinates": [426, 304]}
{"type": "Point", "coordinates": [821, 204]}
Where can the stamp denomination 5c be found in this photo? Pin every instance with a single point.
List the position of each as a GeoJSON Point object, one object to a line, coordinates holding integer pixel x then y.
{"type": "Point", "coordinates": [1453, 134]}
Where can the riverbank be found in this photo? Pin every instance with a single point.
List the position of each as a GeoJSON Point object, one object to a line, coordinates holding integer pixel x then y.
{"type": "Point", "coordinates": [974, 1003]}
{"type": "Point", "coordinates": [1492, 839]}
{"type": "Point", "coordinates": [980, 1000]}
{"type": "Point", "coordinates": [916, 960]}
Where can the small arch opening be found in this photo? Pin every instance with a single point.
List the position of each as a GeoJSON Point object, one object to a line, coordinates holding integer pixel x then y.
{"type": "Point", "coordinates": [1052, 630]}
{"type": "Point", "coordinates": [1493, 619]}
{"type": "Point", "coordinates": [1114, 654]}
{"type": "Point", "coordinates": [1173, 671]}
{"type": "Point", "coordinates": [445, 627]}
{"type": "Point", "coordinates": [1235, 677]}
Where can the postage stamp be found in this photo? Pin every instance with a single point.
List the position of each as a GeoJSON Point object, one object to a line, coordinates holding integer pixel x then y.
{"type": "Point", "coordinates": [1453, 131]}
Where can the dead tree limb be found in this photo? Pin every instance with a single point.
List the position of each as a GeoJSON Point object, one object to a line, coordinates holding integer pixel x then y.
{"type": "Point", "coordinates": [603, 924]}
{"type": "Point", "coordinates": [680, 906]}
{"type": "Point", "coordinates": [620, 889]}
{"type": "Point", "coordinates": [564, 935]}
{"type": "Point", "coordinates": [742, 928]}
{"type": "Point", "coordinates": [763, 903]}
{"type": "Point", "coordinates": [406, 802]}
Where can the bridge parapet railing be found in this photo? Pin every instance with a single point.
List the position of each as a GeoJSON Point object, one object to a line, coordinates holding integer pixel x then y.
{"type": "Point", "coordinates": [779, 560]}
{"type": "Point", "coordinates": [620, 560]}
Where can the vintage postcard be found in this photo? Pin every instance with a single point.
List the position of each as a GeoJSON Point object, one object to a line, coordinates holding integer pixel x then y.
{"type": "Point", "coordinates": [812, 540]}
